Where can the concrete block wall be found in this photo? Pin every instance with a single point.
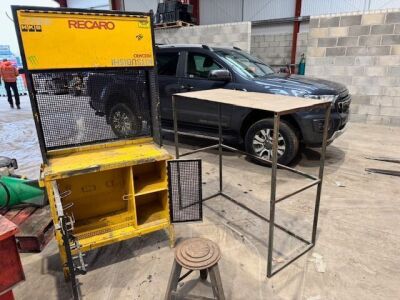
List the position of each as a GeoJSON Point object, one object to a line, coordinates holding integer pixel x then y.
{"type": "Point", "coordinates": [275, 49]}
{"type": "Point", "coordinates": [223, 35]}
{"type": "Point", "coordinates": [361, 51]}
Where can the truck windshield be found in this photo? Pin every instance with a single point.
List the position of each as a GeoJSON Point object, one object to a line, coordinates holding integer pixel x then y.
{"type": "Point", "coordinates": [244, 64]}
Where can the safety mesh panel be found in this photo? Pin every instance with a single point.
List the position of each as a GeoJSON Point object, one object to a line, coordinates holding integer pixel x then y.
{"type": "Point", "coordinates": [156, 120]}
{"type": "Point", "coordinates": [85, 107]}
{"type": "Point", "coordinates": [185, 192]}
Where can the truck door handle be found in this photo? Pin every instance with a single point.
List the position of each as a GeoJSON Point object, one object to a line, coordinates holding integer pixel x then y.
{"type": "Point", "coordinates": [187, 87]}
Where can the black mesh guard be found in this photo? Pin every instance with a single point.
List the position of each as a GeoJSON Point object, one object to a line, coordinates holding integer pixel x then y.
{"type": "Point", "coordinates": [155, 106]}
{"type": "Point", "coordinates": [85, 107]}
{"type": "Point", "coordinates": [185, 190]}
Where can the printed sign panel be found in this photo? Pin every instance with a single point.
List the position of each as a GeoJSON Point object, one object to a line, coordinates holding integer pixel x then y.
{"type": "Point", "coordinates": [65, 40]}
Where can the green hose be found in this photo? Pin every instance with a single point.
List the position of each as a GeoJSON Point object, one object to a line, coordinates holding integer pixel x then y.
{"type": "Point", "coordinates": [7, 195]}
{"type": "Point", "coordinates": [14, 191]}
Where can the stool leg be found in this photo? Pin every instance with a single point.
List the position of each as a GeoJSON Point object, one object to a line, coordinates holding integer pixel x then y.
{"type": "Point", "coordinates": [173, 280]}
{"type": "Point", "coordinates": [203, 274]}
{"type": "Point", "coordinates": [216, 282]}
{"type": "Point", "coordinates": [213, 284]}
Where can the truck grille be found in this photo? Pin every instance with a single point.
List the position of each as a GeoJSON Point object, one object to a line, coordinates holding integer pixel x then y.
{"type": "Point", "coordinates": [342, 104]}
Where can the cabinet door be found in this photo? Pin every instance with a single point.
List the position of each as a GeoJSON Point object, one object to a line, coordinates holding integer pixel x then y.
{"type": "Point", "coordinates": [185, 190]}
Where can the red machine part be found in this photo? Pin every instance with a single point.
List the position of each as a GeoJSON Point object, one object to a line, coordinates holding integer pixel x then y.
{"type": "Point", "coordinates": [10, 264]}
{"type": "Point", "coordinates": [7, 296]}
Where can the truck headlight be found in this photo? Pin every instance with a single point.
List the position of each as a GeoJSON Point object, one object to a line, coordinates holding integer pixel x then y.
{"type": "Point", "coordinates": [331, 98]}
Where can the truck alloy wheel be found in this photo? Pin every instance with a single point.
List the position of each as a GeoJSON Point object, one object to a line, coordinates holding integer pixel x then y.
{"type": "Point", "coordinates": [259, 139]}
{"type": "Point", "coordinates": [262, 143]}
{"type": "Point", "coordinates": [123, 121]}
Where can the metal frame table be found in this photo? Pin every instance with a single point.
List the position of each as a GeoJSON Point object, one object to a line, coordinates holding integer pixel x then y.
{"type": "Point", "coordinates": [278, 105]}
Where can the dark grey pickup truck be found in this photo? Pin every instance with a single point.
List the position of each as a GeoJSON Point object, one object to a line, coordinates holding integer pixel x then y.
{"type": "Point", "coordinates": [199, 67]}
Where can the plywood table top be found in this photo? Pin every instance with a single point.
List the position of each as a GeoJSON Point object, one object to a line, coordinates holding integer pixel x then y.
{"type": "Point", "coordinates": [280, 104]}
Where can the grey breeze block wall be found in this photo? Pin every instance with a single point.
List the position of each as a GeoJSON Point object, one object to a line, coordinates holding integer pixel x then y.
{"type": "Point", "coordinates": [361, 51]}
{"type": "Point", "coordinates": [223, 35]}
{"type": "Point", "coordinates": [276, 49]}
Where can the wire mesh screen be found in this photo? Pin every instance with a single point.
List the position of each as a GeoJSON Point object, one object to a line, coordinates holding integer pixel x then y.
{"type": "Point", "coordinates": [185, 194]}
{"type": "Point", "coordinates": [156, 119]}
{"type": "Point", "coordinates": [85, 107]}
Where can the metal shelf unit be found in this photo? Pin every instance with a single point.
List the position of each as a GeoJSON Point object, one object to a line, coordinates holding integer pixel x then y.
{"type": "Point", "coordinates": [279, 105]}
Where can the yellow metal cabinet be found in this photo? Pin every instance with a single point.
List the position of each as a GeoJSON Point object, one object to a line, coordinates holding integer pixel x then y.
{"type": "Point", "coordinates": [98, 124]}
{"type": "Point", "coordinates": [124, 195]}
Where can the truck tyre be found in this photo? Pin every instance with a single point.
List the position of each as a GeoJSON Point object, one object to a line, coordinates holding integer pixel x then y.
{"type": "Point", "coordinates": [258, 140]}
{"type": "Point", "coordinates": [124, 122]}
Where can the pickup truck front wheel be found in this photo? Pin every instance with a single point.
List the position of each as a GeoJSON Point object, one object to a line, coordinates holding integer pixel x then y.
{"type": "Point", "coordinates": [258, 140]}
{"type": "Point", "coordinates": [123, 121]}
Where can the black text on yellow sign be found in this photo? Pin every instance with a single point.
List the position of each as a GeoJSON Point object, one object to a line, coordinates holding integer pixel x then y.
{"type": "Point", "coordinates": [64, 41]}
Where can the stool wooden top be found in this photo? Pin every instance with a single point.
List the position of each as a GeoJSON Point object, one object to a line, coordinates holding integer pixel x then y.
{"type": "Point", "coordinates": [197, 254]}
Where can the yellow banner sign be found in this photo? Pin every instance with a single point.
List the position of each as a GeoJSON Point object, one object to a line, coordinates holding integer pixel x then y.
{"type": "Point", "coordinates": [65, 40]}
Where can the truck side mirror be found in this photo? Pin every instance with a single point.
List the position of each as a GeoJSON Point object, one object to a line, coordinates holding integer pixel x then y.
{"type": "Point", "coordinates": [220, 75]}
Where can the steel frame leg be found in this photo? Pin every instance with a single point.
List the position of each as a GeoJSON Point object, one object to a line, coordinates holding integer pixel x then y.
{"type": "Point", "coordinates": [320, 175]}
{"type": "Point", "coordinates": [273, 194]}
{"type": "Point", "coordinates": [175, 119]}
{"type": "Point", "coordinates": [220, 145]}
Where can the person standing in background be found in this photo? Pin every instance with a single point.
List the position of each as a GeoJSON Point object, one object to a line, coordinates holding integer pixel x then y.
{"type": "Point", "coordinates": [9, 74]}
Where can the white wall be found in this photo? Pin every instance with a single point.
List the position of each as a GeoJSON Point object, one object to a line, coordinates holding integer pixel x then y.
{"type": "Point", "coordinates": [89, 4]}
{"type": "Point", "coordinates": [265, 10]}
{"type": "Point", "coordinates": [141, 5]}
{"type": "Point", "coordinates": [226, 11]}
{"type": "Point", "coordinates": [220, 11]}
{"type": "Point", "coordinates": [322, 7]}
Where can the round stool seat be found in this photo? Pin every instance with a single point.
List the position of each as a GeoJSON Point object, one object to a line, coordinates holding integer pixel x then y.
{"type": "Point", "coordinates": [197, 254]}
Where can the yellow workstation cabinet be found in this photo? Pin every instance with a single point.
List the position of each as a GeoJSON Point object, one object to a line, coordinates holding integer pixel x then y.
{"type": "Point", "coordinates": [96, 111]}
{"type": "Point", "coordinates": [111, 192]}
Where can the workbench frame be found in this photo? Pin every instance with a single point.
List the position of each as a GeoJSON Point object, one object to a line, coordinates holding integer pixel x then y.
{"type": "Point", "coordinates": [316, 180]}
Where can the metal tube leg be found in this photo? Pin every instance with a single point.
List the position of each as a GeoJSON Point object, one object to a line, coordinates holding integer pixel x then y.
{"type": "Point", "coordinates": [220, 145]}
{"type": "Point", "coordinates": [216, 282]}
{"type": "Point", "coordinates": [175, 119]}
{"type": "Point", "coordinates": [70, 263]}
{"type": "Point", "coordinates": [321, 174]}
{"type": "Point", "coordinates": [203, 274]}
{"type": "Point", "coordinates": [273, 194]}
{"type": "Point", "coordinates": [173, 280]}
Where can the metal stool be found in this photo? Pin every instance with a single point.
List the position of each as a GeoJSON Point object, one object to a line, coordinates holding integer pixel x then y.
{"type": "Point", "coordinates": [196, 254]}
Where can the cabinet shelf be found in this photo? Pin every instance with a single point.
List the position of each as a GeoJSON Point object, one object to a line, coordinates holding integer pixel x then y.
{"type": "Point", "coordinates": [149, 185]}
{"type": "Point", "coordinates": [152, 208]}
{"type": "Point", "coordinates": [100, 223]}
{"type": "Point", "coordinates": [150, 178]}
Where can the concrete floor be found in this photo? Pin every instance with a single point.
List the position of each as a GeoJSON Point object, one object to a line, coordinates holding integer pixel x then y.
{"type": "Point", "coordinates": [357, 251]}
